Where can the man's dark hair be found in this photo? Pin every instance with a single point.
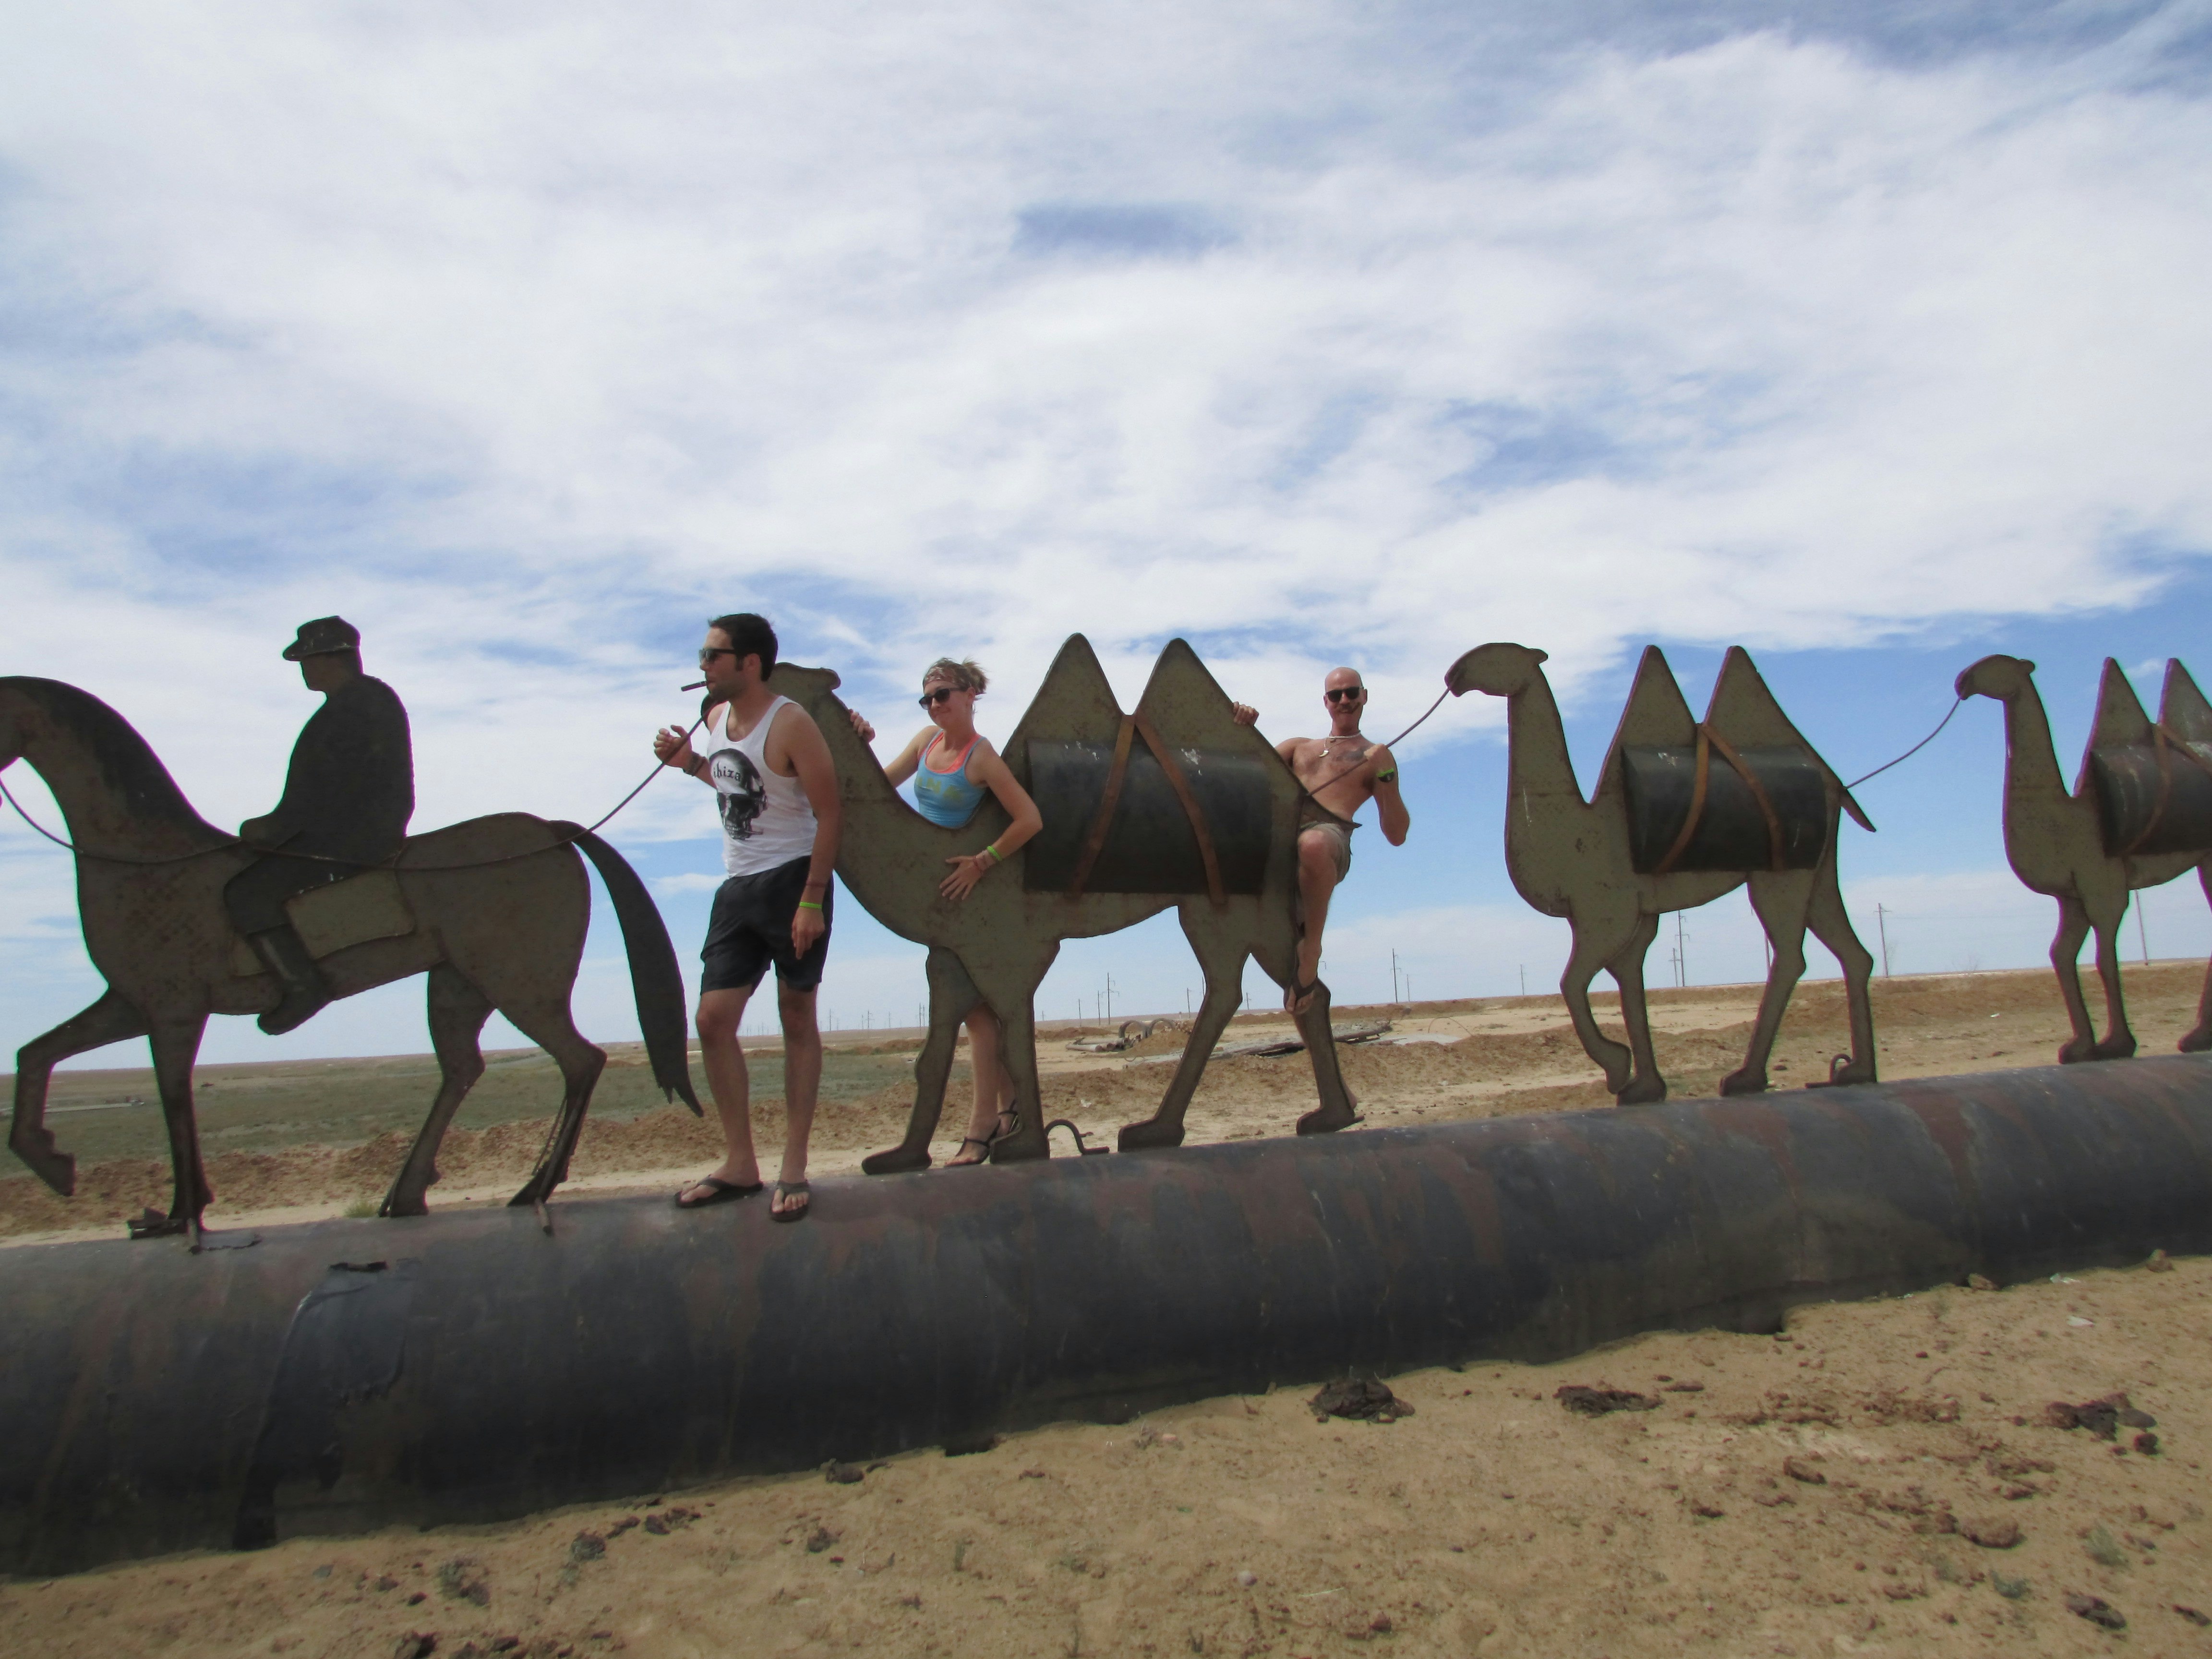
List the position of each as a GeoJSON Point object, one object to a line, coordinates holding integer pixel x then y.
{"type": "Point", "coordinates": [750, 637]}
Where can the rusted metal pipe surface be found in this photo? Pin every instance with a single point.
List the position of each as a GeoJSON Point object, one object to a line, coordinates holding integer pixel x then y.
{"type": "Point", "coordinates": [155, 1400]}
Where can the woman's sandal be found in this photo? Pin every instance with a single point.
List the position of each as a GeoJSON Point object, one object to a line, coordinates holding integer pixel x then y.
{"type": "Point", "coordinates": [957, 1162]}
{"type": "Point", "coordinates": [785, 1189]}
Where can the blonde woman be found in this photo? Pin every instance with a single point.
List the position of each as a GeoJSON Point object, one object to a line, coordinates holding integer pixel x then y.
{"type": "Point", "coordinates": [953, 766]}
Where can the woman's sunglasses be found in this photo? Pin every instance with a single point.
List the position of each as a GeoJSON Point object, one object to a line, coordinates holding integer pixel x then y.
{"type": "Point", "coordinates": [943, 694]}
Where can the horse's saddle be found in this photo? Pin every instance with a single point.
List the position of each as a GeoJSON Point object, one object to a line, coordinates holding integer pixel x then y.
{"type": "Point", "coordinates": [345, 913]}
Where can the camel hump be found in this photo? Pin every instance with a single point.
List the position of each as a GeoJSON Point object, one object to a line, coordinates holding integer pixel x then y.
{"type": "Point", "coordinates": [1656, 716]}
{"type": "Point", "coordinates": [2120, 717]}
{"type": "Point", "coordinates": [2181, 707]}
{"type": "Point", "coordinates": [1075, 700]}
{"type": "Point", "coordinates": [1745, 711]}
{"type": "Point", "coordinates": [1185, 704]}
{"type": "Point", "coordinates": [2120, 722]}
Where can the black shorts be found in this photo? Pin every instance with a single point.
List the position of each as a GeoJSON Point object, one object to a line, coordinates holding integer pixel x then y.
{"type": "Point", "coordinates": [751, 926]}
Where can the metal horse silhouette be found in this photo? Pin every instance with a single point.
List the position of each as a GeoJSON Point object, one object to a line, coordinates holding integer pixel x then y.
{"type": "Point", "coordinates": [493, 910]}
{"type": "Point", "coordinates": [1684, 811]}
{"type": "Point", "coordinates": [1175, 805]}
{"type": "Point", "coordinates": [2139, 814]}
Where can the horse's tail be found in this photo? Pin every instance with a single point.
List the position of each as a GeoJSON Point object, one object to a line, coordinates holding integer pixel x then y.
{"type": "Point", "coordinates": [654, 976]}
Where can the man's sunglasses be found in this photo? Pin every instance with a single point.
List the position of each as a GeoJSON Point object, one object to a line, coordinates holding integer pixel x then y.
{"type": "Point", "coordinates": [943, 694]}
{"type": "Point", "coordinates": [707, 654]}
{"type": "Point", "coordinates": [1345, 693]}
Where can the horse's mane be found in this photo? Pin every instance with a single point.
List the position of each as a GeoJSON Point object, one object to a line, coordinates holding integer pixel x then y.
{"type": "Point", "coordinates": [127, 763]}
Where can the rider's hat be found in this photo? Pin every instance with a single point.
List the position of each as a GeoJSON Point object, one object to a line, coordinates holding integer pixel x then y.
{"type": "Point", "coordinates": [322, 635]}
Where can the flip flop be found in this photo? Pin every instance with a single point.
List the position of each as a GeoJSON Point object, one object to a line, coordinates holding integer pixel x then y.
{"type": "Point", "coordinates": [784, 1189]}
{"type": "Point", "coordinates": [722, 1192]}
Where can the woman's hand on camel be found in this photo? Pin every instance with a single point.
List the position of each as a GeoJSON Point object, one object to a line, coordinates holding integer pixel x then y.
{"type": "Point", "coordinates": [966, 872]}
{"type": "Point", "coordinates": [673, 747]}
{"type": "Point", "coordinates": [860, 725]}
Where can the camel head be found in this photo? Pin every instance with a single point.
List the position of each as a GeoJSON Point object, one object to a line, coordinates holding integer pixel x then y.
{"type": "Point", "coordinates": [810, 687]}
{"type": "Point", "coordinates": [1500, 669]}
{"type": "Point", "coordinates": [2000, 676]}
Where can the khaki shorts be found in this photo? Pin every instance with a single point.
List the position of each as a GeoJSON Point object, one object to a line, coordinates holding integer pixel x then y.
{"type": "Point", "coordinates": [1338, 837]}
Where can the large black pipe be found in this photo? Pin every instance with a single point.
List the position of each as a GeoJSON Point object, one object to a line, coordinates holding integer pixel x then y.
{"type": "Point", "coordinates": [469, 1367]}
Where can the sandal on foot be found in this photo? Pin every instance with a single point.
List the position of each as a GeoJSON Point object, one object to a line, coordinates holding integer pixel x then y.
{"type": "Point", "coordinates": [1300, 994]}
{"type": "Point", "coordinates": [785, 1189]}
{"type": "Point", "coordinates": [957, 1162]}
{"type": "Point", "coordinates": [1008, 1126]}
{"type": "Point", "coordinates": [719, 1191]}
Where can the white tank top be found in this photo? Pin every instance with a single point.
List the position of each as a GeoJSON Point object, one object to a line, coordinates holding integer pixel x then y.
{"type": "Point", "coordinates": [766, 821]}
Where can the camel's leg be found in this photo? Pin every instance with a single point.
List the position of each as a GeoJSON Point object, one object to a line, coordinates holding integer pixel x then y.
{"type": "Point", "coordinates": [951, 995]}
{"type": "Point", "coordinates": [458, 1012]}
{"type": "Point", "coordinates": [2065, 951]}
{"type": "Point", "coordinates": [111, 1019]}
{"type": "Point", "coordinates": [1222, 961]}
{"type": "Point", "coordinates": [1832, 926]}
{"type": "Point", "coordinates": [1016, 1007]}
{"type": "Point", "coordinates": [2199, 1038]}
{"type": "Point", "coordinates": [1338, 1109]}
{"type": "Point", "coordinates": [176, 1045]}
{"type": "Point", "coordinates": [550, 1025]}
{"type": "Point", "coordinates": [1781, 901]}
{"type": "Point", "coordinates": [1598, 940]}
{"type": "Point", "coordinates": [1627, 971]}
{"type": "Point", "coordinates": [2119, 1042]}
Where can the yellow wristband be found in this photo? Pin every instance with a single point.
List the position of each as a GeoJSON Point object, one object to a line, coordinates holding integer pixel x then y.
{"type": "Point", "coordinates": [808, 905]}
{"type": "Point", "coordinates": [992, 849]}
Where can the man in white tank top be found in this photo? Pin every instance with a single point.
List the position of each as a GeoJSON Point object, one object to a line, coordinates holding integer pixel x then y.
{"type": "Point", "coordinates": [764, 758]}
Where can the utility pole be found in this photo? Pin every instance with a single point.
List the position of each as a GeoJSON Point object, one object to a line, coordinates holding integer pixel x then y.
{"type": "Point", "coordinates": [1681, 954]}
{"type": "Point", "coordinates": [1524, 978]}
{"type": "Point", "coordinates": [1882, 922]}
{"type": "Point", "coordinates": [1110, 998]}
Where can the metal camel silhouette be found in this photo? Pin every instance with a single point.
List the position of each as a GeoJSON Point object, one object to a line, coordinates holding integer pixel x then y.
{"type": "Point", "coordinates": [493, 910]}
{"type": "Point", "coordinates": [1129, 801]}
{"type": "Point", "coordinates": [1683, 812]}
{"type": "Point", "coordinates": [2139, 814]}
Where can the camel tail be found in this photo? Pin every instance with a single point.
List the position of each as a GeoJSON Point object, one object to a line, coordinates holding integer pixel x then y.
{"type": "Point", "coordinates": [654, 974]}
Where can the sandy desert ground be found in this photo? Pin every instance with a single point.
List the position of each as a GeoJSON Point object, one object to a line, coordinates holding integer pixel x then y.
{"type": "Point", "coordinates": [1879, 1478]}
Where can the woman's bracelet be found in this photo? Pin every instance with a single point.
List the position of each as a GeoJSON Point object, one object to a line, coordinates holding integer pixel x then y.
{"type": "Point", "coordinates": [808, 905]}
{"type": "Point", "coordinates": [995, 855]}
{"type": "Point", "coordinates": [693, 765]}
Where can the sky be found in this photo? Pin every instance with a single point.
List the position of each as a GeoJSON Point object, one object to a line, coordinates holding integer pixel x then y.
{"type": "Point", "coordinates": [1870, 338]}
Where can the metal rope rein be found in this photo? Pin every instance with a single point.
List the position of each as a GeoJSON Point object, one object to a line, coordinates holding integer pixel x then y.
{"type": "Point", "coordinates": [1916, 748]}
{"type": "Point", "coordinates": [230, 842]}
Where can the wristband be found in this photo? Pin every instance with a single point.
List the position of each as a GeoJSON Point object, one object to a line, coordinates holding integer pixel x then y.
{"type": "Point", "coordinates": [1390, 776]}
{"type": "Point", "coordinates": [693, 765]}
{"type": "Point", "coordinates": [808, 905]}
{"type": "Point", "coordinates": [992, 849]}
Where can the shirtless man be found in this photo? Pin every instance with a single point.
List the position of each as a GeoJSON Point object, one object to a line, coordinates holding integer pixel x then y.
{"type": "Point", "coordinates": [1341, 772]}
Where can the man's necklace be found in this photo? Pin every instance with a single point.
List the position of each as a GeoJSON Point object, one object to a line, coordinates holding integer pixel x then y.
{"type": "Point", "coordinates": [1330, 743]}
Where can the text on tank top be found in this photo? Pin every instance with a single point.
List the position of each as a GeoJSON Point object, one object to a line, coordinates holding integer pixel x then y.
{"type": "Point", "coordinates": [765, 822]}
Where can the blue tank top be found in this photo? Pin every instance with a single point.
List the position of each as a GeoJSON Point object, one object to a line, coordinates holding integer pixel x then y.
{"type": "Point", "coordinates": [947, 797]}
